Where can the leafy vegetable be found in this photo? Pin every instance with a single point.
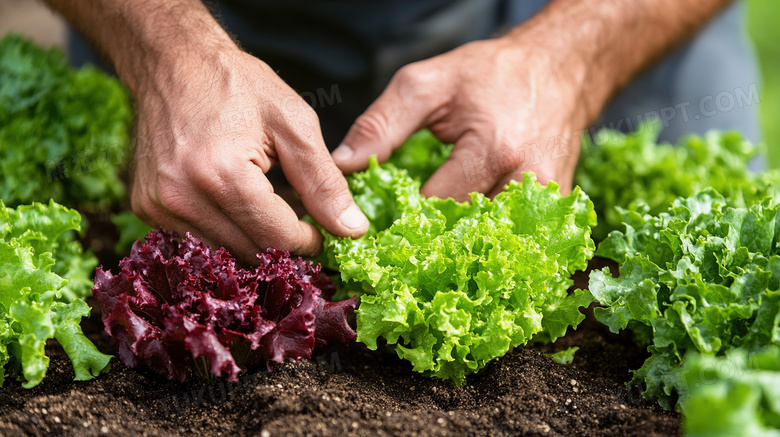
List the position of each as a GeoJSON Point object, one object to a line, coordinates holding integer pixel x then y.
{"type": "Point", "coordinates": [565, 356]}
{"type": "Point", "coordinates": [451, 286]}
{"type": "Point", "coordinates": [699, 277]}
{"type": "Point", "coordinates": [131, 228]}
{"type": "Point", "coordinates": [73, 264]}
{"type": "Point", "coordinates": [626, 169]}
{"type": "Point", "coordinates": [31, 294]}
{"type": "Point", "coordinates": [421, 155]}
{"type": "Point", "coordinates": [63, 133]}
{"type": "Point", "coordinates": [734, 395]}
{"type": "Point", "coordinates": [178, 306]}
{"type": "Point", "coordinates": [55, 229]}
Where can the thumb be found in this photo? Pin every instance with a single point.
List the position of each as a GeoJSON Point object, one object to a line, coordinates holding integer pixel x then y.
{"type": "Point", "coordinates": [402, 109]}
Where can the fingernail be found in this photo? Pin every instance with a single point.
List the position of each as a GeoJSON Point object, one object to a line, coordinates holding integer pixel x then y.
{"type": "Point", "coordinates": [342, 153]}
{"type": "Point", "coordinates": [353, 218]}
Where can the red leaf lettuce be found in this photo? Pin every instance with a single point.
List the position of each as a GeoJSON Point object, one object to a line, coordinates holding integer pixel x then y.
{"type": "Point", "coordinates": [179, 305]}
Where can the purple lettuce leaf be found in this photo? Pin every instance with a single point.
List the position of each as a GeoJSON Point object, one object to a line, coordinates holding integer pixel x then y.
{"type": "Point", "coordinates": [175, 305]}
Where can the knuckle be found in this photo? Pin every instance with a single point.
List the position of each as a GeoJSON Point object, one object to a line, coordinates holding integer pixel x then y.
{"type": "Point", "coordinates": [293, 119]}
{"type": "Point", "coordinates": [308, 122]}
{"type": "Point", "coordinates": [292, 106]}
{"type": "Point", "coordinates": [415, 79]}
{"type": "Point", "coordinates": [370, 125]}
{"type": "Point", "coordinates": [328, 183]}
{"type": "Point", "coordinates": [308, 113]}
{"type": "Point", "coordinates": [171, 198]}
{"type": "Point", "coordinates": [412, 73]}
{"type": "Point", "coordinates": [172, 192]}
{"type": "Point", "coordinates": [204, 175]}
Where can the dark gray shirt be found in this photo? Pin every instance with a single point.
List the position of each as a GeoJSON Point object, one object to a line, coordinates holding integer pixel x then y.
{"type": "Point", "coordinates": [340, 54]}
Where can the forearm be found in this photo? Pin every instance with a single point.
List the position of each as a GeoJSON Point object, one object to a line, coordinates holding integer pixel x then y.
{"type": "Point", "coordinates": [603, 44]}
{"type": "Point", "coordinates": [141, 36]}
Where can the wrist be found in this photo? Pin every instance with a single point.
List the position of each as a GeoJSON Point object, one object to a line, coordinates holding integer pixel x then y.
{"type": "Point", "coordinates": [182, 72]}
{"type": "Point", "coordinates": [562, 72]}
{"type": "Point", "coordinates": [580, 43]}
{"type": "Point", "coordinates": [169, 47]}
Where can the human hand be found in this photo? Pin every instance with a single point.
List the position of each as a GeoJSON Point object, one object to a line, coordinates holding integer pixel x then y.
{"type": "Point", "coordinates": [508, 105]}
{"type": "Point", "coordinates": [500, 101]}
{"type": "Point", "coordinates": [209, 128]}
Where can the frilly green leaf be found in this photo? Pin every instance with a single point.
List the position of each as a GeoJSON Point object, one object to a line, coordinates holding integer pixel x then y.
{"type": "Point", "coordinates": [699, 277]}
{"type": "Point", "coordinates": [451, 286]}
{"type": "Point", "coordinates": [34, 306]}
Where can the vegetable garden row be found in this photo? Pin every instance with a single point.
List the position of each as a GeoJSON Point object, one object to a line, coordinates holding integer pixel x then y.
{"type": "Point", "coordinates": [449, 287]}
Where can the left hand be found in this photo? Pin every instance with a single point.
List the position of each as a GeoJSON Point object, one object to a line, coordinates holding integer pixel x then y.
{"type": "Point", "coordinates": [508, 105]}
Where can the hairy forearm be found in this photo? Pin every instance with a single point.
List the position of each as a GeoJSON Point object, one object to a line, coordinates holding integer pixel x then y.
{"type": "Point", "coordinates": [143, 37]}
{"type": "Point", "coordinates": [603, 44]}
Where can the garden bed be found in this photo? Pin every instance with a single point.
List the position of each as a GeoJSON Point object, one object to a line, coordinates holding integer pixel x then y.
{"type": "Point", "coordinates": [351, 390]}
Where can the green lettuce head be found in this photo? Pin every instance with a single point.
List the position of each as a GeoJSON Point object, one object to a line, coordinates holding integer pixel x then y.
{"type": "Point", "coordinates": [451, 286]}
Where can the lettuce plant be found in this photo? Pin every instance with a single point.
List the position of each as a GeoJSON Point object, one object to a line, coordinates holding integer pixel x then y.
{"type": "Point", "coordinates": [176, 306]}
{"type": "Point", "coordinates": [63, 133]}
{"type": "Point", "coordinates": [33, 307]}
{"type": "Point", "coordinates": [451, 286]}
{"type": "Point", "coordinates": [700, 277]}
{"type": "Point", "coordinates": [735, 394]}
{"type": "Point", "coordinates": [421, 155]}
{"type": "Point", "coordinates": [56, 231]}
{"type": "Point", "coordinates": [626, 169]}
{"type": "Point", "coordinates": [131, 228]}
{"type": "Point", "coordinates": [63, 136]}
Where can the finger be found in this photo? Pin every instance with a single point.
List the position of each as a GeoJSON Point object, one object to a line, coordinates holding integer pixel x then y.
{"type": "Point", "coordinates": [246, 197]}
{"type": "Point", "coordinates": [203, 220]}
{"type": "Point", "coordinates": [236, 242]}
{"type": "Point", "coordinates": [406, 106]}
{"type": "Point", "coordinates": [560, 170]}
{"type": "Point", "coordinates": [466, 170]}
{"type": "Point", "coordinates": [311, 171]}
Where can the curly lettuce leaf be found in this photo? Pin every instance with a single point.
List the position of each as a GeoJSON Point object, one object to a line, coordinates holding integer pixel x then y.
{"type": "Point", "coordinates": [64, 134]}
{"type": "Point", "coordinates": [737, 394]}
{"type": "Point", "coordinates": [623, 170]}
{"type": "Point", "coordinates": [421, 155]}
{"type": "Point", "coordinates": [701, 276]}
{"type": "Point", "coordinates": [176, 307]}
{"type": "Point", "coordinates": [52, 228]}
{"type": "Point", "coordinates": [451, 286]}
{"type": "Point", "coordinates": [33, 307]}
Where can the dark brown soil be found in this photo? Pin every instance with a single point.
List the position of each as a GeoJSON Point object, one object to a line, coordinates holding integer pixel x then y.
{"type": "Point", "coordinates": [351, 391]}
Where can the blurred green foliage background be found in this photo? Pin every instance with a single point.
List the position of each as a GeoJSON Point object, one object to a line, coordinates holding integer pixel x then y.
{"type": "Point", "coordinates": [762, 16]}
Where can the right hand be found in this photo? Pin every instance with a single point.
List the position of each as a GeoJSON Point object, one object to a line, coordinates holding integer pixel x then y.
{"type": "Point", "coordinates": [209, 128]}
